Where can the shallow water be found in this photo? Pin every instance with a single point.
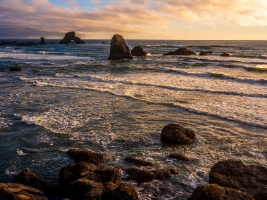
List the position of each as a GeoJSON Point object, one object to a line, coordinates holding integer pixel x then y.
{"type": "Point", "coordinates": [72, 96]}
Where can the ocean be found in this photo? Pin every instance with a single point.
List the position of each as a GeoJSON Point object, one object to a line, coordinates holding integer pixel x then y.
{"type": "Point", "coordinates": [71, 96]}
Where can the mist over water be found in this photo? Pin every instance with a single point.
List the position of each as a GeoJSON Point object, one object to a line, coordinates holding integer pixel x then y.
{"type": "Point", "coordinates": [72, 96]}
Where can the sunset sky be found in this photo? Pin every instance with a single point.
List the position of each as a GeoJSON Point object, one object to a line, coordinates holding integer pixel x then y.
{"type": "Point", "coordinates": [135, 19]}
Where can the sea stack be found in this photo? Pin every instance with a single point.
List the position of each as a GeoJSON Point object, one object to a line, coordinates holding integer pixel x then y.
{"type": "Point", "coordinates": [70, 38]}
{"type": "Point", "coordinates": [119, 49]}
{"type": "Point", "coordinates": [42, 40]}
{"type": "Point", "coordinates": [138, 51]}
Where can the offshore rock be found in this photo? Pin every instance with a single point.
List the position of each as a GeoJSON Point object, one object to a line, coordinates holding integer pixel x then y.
{"type": "Point", "coordinates": [27, 177]}
{"type": "Point", "coordinates": [225, 55]}
{"type": "Point", "coordinates": [138, 51]}
{"type": "Point", "coordinates": [181, 51]}
{"type": "Point", "coordinates": [126, 192]}
{"type": "Point", "coordinates": [176, 134]}
{"type": "Point", "coordinates": [247, 178]}
{"type": "Point", "coordinates": [75, 171]}
{"type": "Point", "coordinates": [86, 156]}
{"type": "Point", "coordinates": [205, 53]}
{"type": "Point", "coordinates": [16, 191]}
{"type": "Point", "coordinates": [138, 161]}
{"type": "Point", "coordinates": [179, 156]}
{"type": "Point", "coordinates": [42, 40]}
{"type": "Point", "coordinates": [215, 192]}
{"type": "Point", "coordinates": [15, 68]}
{"type": "Point", "coordinates": [118, 49]}
{"type": "Point", "coordinates": [70, 38]}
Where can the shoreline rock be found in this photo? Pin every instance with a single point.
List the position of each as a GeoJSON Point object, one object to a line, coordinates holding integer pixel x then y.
{"type": "Point", "coordinates": [205, 53]}
{"type": "Point", "coordinates": [138, 161]}
{"type": "Point", "coordinates": [119, 49]}
{"type": "Point", "coordinates": [138, 51]}
{"type": "Point", "coordinates": [179, 156]}
{"type": "Point", "coordinates": [70, 38]}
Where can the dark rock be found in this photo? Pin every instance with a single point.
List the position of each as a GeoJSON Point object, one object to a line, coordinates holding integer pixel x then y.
{"type": "Point", "coordinates": [162, 173]}
{"type": "Point", "coordinates": [25, 44]}
{"type": "Point", "coordinates": [140, 176]}
{"type": "Point", "coordinates": [247, 178]}
{"type": "Point", "coordinates": [118, 49]}
{"type": "Point", "coordinates": [179, 156]}
{"type": "Point", "coordinates": [126, 192]}
{"type": "Point", "coordinates": [9, 43]}
{"type": "Point", "coordinates": [181, 51]}
{"type": "Point", "coordinates": [174, 171]}
{"type": "Point", "coordinates": [176, 134]}
{"type": "Point", "coordinates": [138, 161]}
{"type": "Point", "coordinates": [83, 187]}
{"type": "Point", "coordinates": [138, 51]}
{"type": "Point", "coordinates": [42, 40]}
{"type": "Point", "coordinates": [225, 54]}
{"type": "Point", "coordinates": [69, 37]}
{"type": "Point", "coordinates": [86, 156]}
{"type": "Point", "coordinates": [205, 53]}
{"type": "Point", "coordinates": [75, 171]}
{"type": "Point", "coordinates": [16, 191]}
{"type": "Point", "coordinates": [15, 69]}
{"type": "Point", "coordinates": [27, 177]}
{"type": "Point", "coordinates": [215, 192]}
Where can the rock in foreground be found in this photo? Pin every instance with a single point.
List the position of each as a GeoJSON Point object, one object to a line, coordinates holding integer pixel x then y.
{"type": "Point", "coordinates": [118, 49]}
{"type": "Point", "coordinates": [126, 192]}
{"type": "Point", "coordinates": [181, 51]}
{"type": "Point", "coordinates": [215, 192]}
{"type": "Point", "coordinates": [176, 134]}
{"type": "Point", "coordinates": [138, 51]}
{"type": "Point", "coordinates": [247, 178]}
{"type": "Point", "coordinates": [179, 156]}
{"type": "Point", "coordinates": [70, 38]}
{"type": "Point", "coordinates": [15, 191]}
{"type": "Point", "coordinates": [86, 156]}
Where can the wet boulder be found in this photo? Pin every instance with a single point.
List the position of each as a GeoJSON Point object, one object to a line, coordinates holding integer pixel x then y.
{"type": "Point", "coordinates": [215, 192]}
{"type": "Point", "coordinates": [119, 49]}
{"type": "Point", "coordinates": [179, 156]}
{"type": "Point", "coordinates": [126, 192]}
{"type": "Point", "coordinates": [27, 177]}
{"type": "Point", "coordinates": [162, 173]}
{"type": "Point", "coordinates": [138, 161]}
{"type": "Point", "coordinates": [181, 51]}
{"type": "Point", "coordinates": [16, 191]}
{"type": "Point", "coordinates": [75, 171]}
{"type": "Point", "coordinates": [205, 53]}
{"type": "Point", "coordinates": [71, 38]}
{"type": "Point", "coordinates": [250, 179]}
{"type": "Point", "coordinates": [86, 156]}
{"type": "Point", "coordinates": [225, 54]}
{"type": "Point", "coordinates": [138, 51]}
{"type": "Point", "coordinates": [176, 134]}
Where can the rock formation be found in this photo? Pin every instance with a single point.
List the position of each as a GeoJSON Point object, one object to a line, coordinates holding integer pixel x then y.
{"type": "Point", "coordinates": [225, 54]}
{"type": "Point", "coordinates": [176, 134]}
{"type": "Point", "coordinates": [138, 51]}
{"type": "Point", "coordinates": [42, 40]}
{"type": "Point", "coordinates": [181, 51]}
{"type": "Point", "coordinates": [70, 38]}
{"type": "Point", "coordinates": [118, 49]}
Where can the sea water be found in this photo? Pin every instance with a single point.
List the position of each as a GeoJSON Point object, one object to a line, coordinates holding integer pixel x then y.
{"type": "Point", "coordinates": [70, 96]}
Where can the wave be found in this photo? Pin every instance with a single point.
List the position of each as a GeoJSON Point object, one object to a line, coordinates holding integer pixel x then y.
{"type": "Point", "coordinates": [186, 105]}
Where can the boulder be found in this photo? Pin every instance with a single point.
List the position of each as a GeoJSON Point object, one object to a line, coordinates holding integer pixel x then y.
{"type": "Point", "coordinates": [27, 177]}
{"type": "Point", "coordinates": [176, 134]}
{"type": "Point", "coordinates": [75, 171]}
{"type": "Point", "coordinates": [83, 187]}
{"type": "Point", "coordinates": [138, 161]}
{"type": "Point", "coordinates": [138, 51]}
{"type": "Point", "coordinates": [181, 51]}
{"type": "Point", "coordinates": [118, 49]}
{"type": "Point", "coordinates": [126, 192]}
{"type": "Point", "coordinates": [205, 53]}
{"type": "Point", "coordinates": [86, 156]}
{"type": "Point", "coordinates": [15, 69]}
{"type": "Point", "coordinates": [70, 38]}
{"type": "Point", "coordinates": [179, 156]}
{"type": "Point", "coordinates": [215, 192]}
{"type": "Point", "coordinates": [250, 179]}
{"type": "Point", "coordinates": [225, 54]}
{"type": "Point", "coordinates": [141, 176]}
{"type": "Point", "coordinates": [16, 191]}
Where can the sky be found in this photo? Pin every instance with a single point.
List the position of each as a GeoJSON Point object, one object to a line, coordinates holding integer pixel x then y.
{"type": "Point", "coordinates": [135, 19]}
